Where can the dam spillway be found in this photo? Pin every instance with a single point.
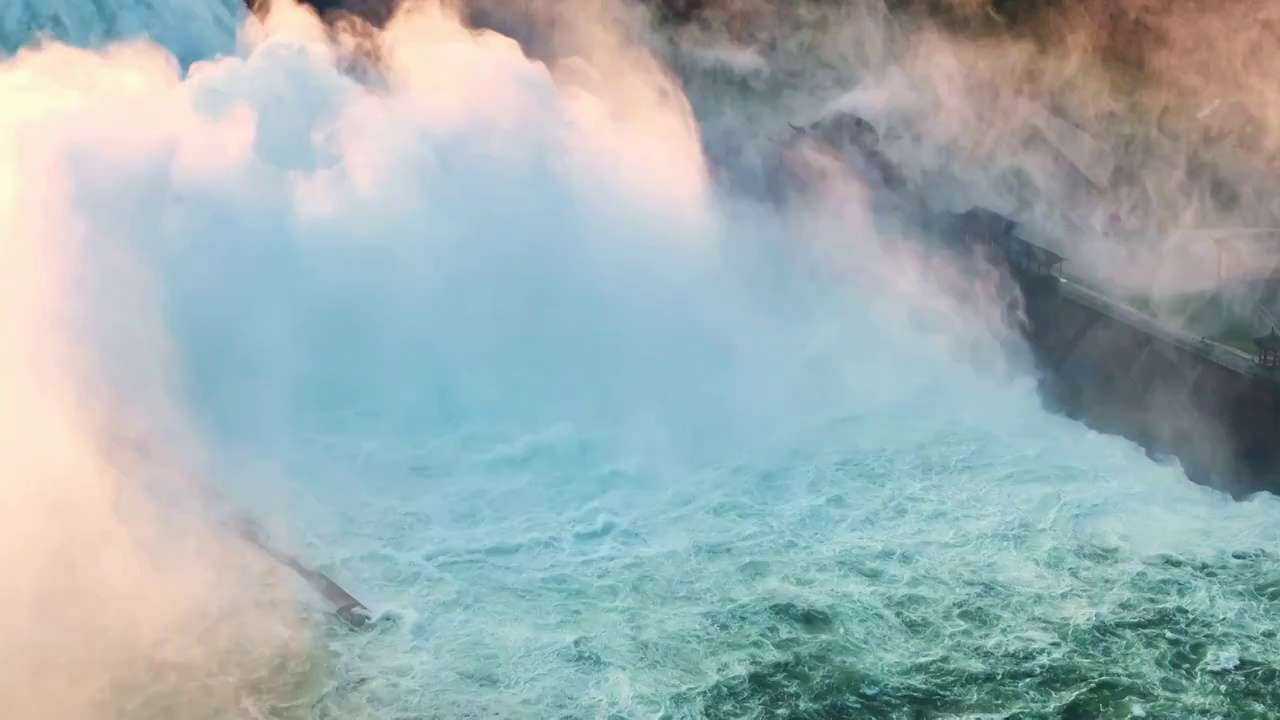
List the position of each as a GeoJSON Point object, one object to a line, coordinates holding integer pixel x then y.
{"type": "Point", "coordinates": [585, 456]}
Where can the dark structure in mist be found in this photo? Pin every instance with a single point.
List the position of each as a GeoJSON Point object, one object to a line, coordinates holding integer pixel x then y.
{"type": "Point", "coordinates": [516, 19]}
{"type": "Point", "coordinates": [1102, 362]}
{"type": "Point", "coordinates": [1120, 373]}
{"type": "Point", "coordinates": [1220, 421]}
{"type": "Point", "coordinates": [375, 12]}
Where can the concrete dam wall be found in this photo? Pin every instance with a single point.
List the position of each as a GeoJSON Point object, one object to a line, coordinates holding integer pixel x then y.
{"type": "Point", "coordinates": [1177, 397]}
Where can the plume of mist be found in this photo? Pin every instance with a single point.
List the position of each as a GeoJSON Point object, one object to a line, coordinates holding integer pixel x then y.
{"type": "Point", "coordinates": [1132, 138]}
{"type": "Point", "coordinates": [1174, 98]}
{"type": "Point", "coordinates": [120, 172]}
{"type": "Point", "coordinates": [124, 600]}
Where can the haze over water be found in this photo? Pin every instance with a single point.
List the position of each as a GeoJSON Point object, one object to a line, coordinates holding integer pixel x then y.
{"type": "Point", "coordinates": [593, 435]}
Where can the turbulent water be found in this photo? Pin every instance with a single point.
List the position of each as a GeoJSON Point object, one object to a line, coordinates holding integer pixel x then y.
{"type": "Point", "coordinates": [591, 436]}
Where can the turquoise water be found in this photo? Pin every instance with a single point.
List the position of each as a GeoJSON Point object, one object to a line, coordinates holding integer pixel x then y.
{"type": "Point", "coordinates": [593, 447]}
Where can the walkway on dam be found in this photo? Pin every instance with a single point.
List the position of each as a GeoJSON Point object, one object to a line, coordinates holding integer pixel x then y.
{"type": "Point", "coordinates": [1076, 289]}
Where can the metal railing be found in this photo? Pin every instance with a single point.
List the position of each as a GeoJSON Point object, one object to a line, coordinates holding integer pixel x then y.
{"type": "Point", "coordinates": [1223, 355]}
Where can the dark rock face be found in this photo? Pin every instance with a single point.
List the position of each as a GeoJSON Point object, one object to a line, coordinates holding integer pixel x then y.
{"type": "Point", "coordinates": [493, 14]}
{"type": "Point", "coordinates": [516, 20]}
{"type": "Point", "coordinates": [375, 12]}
